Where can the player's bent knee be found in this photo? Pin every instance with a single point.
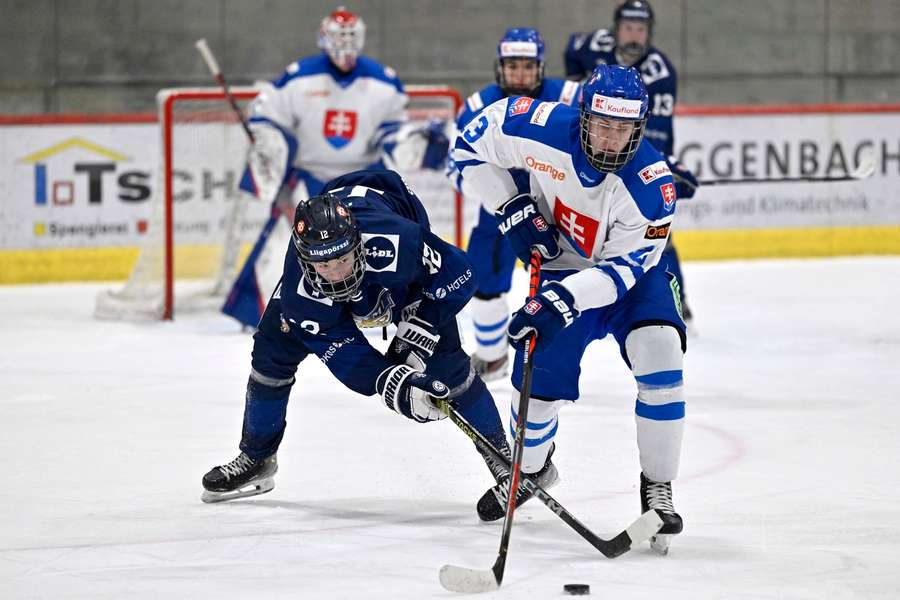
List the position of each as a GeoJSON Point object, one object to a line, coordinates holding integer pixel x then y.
{"type": "Point", "coordinates": [654, 349]}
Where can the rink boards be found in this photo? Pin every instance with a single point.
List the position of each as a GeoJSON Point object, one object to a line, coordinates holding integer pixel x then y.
{"type": "Point", "coordinates": [76, 189]}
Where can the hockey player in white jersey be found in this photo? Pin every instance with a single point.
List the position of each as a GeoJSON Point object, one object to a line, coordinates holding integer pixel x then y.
{"type": "Point", "coordinates": [519, 72]}
{"type": "Point", "coordinates": [327, 114]}
{"type": "Point", "coordinates": [601, 204]}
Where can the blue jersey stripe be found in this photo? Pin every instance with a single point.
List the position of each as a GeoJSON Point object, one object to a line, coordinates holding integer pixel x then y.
{"type": "Point", "coordinates": [621, 288]}
{"type": "Point", "coordinates": [636, 271]}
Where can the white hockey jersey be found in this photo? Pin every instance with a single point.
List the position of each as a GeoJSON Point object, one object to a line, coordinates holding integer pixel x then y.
{"type": "Point", "coordinates": [339, 122]}
{"type": "Point", "coordinates": [613, 227]}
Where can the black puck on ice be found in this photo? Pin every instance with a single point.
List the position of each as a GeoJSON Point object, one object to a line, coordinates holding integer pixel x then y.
{"type": "Point", "coordinates": [577, 589]}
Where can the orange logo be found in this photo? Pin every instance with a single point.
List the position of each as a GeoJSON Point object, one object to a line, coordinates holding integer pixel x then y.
{"type": "Point", "coordinates": [542, 167]}
{"type": "Point", "coordinates": [657, 232]}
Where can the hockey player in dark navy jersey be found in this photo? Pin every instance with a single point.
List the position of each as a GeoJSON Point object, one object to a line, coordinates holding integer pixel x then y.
{"type": "Point", "coordinates": [362, 255]}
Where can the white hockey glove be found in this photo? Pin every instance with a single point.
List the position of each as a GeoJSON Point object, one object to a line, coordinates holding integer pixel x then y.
{"type": "Point", "coordinates": [414, 343]}
{"type": "Point", "coordinates": [408, 392]}
{"type": "Point", "coordinates": [268, 158]}
{"type": "Point", "coordinates": [421, 146]}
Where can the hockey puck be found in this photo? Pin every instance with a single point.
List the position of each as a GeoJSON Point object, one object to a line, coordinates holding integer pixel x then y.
{"type": "Point", "coordinates": [577, 589]}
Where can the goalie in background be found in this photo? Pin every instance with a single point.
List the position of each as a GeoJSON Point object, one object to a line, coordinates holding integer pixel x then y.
{"type": "Point", "coordinates": [327, 114]}
{"type": "Point", "coordinates": [361, 255]}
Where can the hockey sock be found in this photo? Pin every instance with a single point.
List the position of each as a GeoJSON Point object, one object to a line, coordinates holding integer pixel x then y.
{"type": "Point", "coordinates": [657, 362]}
{"type": "Point", "coordinates": [539, 430]}
{"type": "Point", "coordinates": [490, 318]}
{"type": "Point", "coordinates": [264, 418]}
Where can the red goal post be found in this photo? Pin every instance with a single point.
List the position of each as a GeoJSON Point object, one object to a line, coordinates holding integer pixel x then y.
{"type": "Point", "coordinates": [201, 226]}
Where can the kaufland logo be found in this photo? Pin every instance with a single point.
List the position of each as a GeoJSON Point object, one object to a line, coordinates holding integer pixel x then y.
{"type": "Point", "coordinates": [615, 107]}
{"type": "Point", "coordinates": [527, 49]}
{"type": "Point", "coordinates": [59, 189]}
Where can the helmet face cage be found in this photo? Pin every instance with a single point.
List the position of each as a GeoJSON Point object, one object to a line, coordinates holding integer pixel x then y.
{"type": "Point", "coordinates": [338, 291]}
{"type": "Point", "coordinates": [324, 230]}
{"type": "Point", "coordinates": [607, 161]}
{"type": "Point", "coordinates": [342, 36]}
{"type": "Point", "coordinates": [523, 43]}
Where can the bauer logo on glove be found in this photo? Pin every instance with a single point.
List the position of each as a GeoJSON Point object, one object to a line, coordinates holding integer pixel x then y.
{"type": "Point", "coordinates": [518, 217]}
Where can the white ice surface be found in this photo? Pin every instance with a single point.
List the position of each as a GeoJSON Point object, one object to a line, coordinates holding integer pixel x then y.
{"type": "Point", "coordinates": [789, 484]}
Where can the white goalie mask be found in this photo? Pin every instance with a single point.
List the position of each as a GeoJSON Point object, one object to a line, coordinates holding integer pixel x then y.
{"type": "Point", "coordinates": [342, 36]}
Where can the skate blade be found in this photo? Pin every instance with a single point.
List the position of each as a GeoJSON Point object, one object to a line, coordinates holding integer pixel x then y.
{"type": "Point", "coordinates": [660, 543]}
{"type": "Point", "coordinates": [251, 489]}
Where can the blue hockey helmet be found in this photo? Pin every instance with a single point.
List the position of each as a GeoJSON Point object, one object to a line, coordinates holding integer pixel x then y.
{"type": "Point", "coordinates": [614, 113]}
{"type": "Point", "coordinates": [325, 230]}
{"type": "Point", "coordinates": [525, 43]}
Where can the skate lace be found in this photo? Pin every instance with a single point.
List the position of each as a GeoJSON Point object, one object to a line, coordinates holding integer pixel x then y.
{"type": "Point", "coordinates": [659, 496]}
{"type": "Point", "coordinates": [238, 465]}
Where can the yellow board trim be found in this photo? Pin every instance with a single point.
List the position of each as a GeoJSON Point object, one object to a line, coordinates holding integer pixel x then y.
{"type": "Point", "coordinates": [107, 264]}
{"type": "Point", "coordinates": [787, 243]}
{"type": "Point", "coordinates": [102, 264]}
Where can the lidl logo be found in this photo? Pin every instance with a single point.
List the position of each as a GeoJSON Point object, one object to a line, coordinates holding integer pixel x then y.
{"type": "Point", "coordinates": [59, 190]}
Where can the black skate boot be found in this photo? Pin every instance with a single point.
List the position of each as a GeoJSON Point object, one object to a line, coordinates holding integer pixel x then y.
{"type": "Point", "coordinates": [490, 370]}
{"type": "Point", "coordinates": [658, 496]}
{"type": "Point", "coordinates": [492, 505]}
{"type": "Point", "coordinates": [240, 478]}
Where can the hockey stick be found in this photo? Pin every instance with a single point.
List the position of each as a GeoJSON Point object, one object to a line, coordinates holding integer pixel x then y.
{"type": "Point", "coordinates": [646, 526]}
{"type": "Point", "coordinates": [863, 170]}
{"type": "Point", "coordinates": [462, 579]}
{"type": "Point", "coordinates": [216, 72]}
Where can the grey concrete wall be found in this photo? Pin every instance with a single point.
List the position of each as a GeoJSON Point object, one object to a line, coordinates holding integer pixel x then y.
{"type": "Point", "coordinates": [112, 55]}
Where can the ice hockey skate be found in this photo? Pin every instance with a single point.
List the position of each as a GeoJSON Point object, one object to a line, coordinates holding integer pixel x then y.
{"type": "Point", "coordinates": [491, 370]}
{"type": "Point", "coordinates": [241, 478]}
{"type": "Point", "coordinates": [492, 505]}
{"type": "Point", "coordinates": [658, 495]}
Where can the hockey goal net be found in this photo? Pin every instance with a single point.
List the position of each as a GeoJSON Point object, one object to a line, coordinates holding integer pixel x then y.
{"type": "Point", "coordinates": [201, 226]}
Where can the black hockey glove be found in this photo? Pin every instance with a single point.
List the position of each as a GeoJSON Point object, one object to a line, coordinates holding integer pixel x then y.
{"type": "Point", "coordinates": [685, 181]}
{"type": "Point", "coordinates": [414, 343]}
{"type": "Point", "coordinates": [408, 392]}
{"type": "Point", "coordinates": [525, 227]}
{"type": "Point", "coordinates": [546, 314]}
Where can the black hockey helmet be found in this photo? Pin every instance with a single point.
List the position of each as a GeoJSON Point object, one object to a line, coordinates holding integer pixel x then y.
{"type": "Point", "coordinates": [635, 10]}
{"type": "Point", "coordinates": [325, 229]}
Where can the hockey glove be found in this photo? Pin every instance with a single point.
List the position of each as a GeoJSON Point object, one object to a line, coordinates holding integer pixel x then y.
{"type": "Point", "coordinates": [438, 146]}
{"type": "Point", "coordinates": [408, 392]}
{"type": "Point", "coordinates": [525, 227]}
{"type": "Point", "coordinates": [685, 181]}
{"type": "Point", "coordinates": [414, 343]}
{"type": "Point", "coordinates": [545, 314]}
